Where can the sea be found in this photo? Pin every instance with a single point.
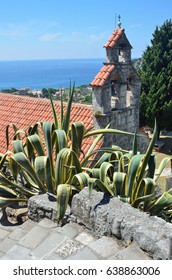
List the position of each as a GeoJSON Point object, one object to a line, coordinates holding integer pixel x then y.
{"type": "Point", "coordinates": [54, 73]}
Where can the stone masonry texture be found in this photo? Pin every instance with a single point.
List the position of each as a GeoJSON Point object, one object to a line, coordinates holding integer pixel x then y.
{"type": "Point", "coordinates": [110, 216]}
{"type": "Point", "coordinates": [69, 242]}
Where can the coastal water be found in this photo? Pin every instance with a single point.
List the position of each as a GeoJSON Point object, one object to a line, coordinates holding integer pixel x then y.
{"type": "Point", "coordinates": [57, 73]}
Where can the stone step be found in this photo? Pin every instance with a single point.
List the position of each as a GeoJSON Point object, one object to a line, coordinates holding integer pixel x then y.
{"type": "Point", "coordinates": [45, 240]}
{"type": "Point", "coordinates": [11, 235]}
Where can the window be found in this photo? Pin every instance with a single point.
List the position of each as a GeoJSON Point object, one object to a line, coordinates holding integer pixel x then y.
{"type": "Point", "coordinates": [113, 91]}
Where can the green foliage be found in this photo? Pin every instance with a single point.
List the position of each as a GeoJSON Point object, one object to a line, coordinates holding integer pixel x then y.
{"type": "Point", "coordinates": [88, 99]}
{"type": "Point", "coordinates": [10, 90]}
{"type": "Point", "coordinates": [156, 73]}
{"type": "Point", "coordinates": [136, 63]}
{"type": "Point", "coordinates": [45, 93]}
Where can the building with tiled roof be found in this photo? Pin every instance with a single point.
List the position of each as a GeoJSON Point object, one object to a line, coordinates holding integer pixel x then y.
{"type": "Point", "coordinates": [23, 111]}
{"type": "Point", "coordinates": [116, 89]}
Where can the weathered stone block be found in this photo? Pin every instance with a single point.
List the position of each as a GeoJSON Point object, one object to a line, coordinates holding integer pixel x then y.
{"type": "Point", "coordinates": [132, 252]}
{"type": "Point", "coordinates": [44, 206]}
{"type": "Point", "coordinates": [110, 216]}
{"type": "Point", "coordinates": [41, 206]}
{"type": "Point", "coordinates": [110, 247]}
{"type": "Point", "coordinates": [82, 205]}
{"type": "Point", "coordinates": [68, 248]}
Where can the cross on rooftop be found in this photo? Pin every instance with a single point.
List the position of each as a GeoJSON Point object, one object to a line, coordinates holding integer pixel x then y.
{"type": "Point", "coordinates": [119, 22]}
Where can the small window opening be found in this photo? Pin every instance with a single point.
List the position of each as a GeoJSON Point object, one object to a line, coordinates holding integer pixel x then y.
{"type": "Point", "coordinates": [113, 91]}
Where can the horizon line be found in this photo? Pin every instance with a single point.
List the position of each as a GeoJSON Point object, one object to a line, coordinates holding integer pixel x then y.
{"type": "Point", "coordinates": [38, 59]}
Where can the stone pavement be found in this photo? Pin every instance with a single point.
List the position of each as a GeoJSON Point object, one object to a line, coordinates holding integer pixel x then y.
{"type": "Point", "coordinates": [46, 241]}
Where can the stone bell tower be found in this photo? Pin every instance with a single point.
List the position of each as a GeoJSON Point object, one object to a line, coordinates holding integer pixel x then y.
{"type": "Point", "coordinates": [116, 88]}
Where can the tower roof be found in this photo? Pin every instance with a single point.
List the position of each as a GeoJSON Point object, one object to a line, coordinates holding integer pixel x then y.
{"type": "Point", "coordinates": [114, 38]}
{"type": "Point", "coordinates": [102, 76]}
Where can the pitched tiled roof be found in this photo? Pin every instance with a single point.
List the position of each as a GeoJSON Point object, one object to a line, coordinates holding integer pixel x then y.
{"type": "Point", "coordinates": [26, 111]}
{"type": "Point", "coordinates": [102, 76]}
{"type": "Point", "coordinates": [114, 38]}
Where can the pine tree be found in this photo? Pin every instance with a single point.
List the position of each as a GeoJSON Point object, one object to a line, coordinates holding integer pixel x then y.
{"type": "Point", "coordinates": [156, 74]}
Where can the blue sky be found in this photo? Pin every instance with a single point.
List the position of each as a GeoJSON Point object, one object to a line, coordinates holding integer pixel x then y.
{"type": "Point", "coordinates": [50, 29]}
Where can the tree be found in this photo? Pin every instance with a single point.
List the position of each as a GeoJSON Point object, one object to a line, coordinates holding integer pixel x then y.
{"type": "Point", "coordinates": [45, 93]}
{"type": "Point", "coordinates": [52, 90]}
{"type": "Point", "coordinates": [156, 75]}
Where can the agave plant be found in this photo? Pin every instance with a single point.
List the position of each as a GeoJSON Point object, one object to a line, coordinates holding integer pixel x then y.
{"type": "Point", "coordinates": [133, 179]}
{"type": "Point", "coordinates": [50, 159]}
{"type": "Point", "coordinates": [30, 164]}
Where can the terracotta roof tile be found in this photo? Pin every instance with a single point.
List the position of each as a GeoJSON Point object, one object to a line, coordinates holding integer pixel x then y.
{"type": "Point", "coordinates": [114, 38]}
{"type": "Point", "coordinates": [102, 76]}
{"type": "Point", "coordinates": [26, 111]}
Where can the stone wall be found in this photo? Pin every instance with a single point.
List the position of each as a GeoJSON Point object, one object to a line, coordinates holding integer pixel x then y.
{"type": "Point", "coordinates": [106, 216]}
{"type": "Point", "coordinates": [126, 120]}
{"type": "Point", "coordinates": [110, 216]}
{"type": "Point", "coordinates": [101, 100]}
{"type": "Point", "coordinates": [44, 206]}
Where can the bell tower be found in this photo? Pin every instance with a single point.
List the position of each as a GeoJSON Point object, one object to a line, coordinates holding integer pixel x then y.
{"type": "Point", "coordinates": [118, 48]}
{"type": "Point", "coordinates": [116, 88]}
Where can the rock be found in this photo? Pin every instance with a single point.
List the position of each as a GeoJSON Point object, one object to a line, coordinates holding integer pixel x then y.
{"type": "Point", "coordinates": [82, 204]}
{"type": "Point", "coordinates": [45, 206]}
{"type": "Point", "coordinates": [14, 215]}
{"type": "Point", "coordinates": [110, 216]}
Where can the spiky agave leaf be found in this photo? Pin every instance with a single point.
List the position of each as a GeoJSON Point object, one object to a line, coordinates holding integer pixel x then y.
{"type": "Point", "coordinates": [4, 159]}
{"type": "Point", "coordinates": [143, 199]}
{"type": "Point", "coordinates": [7, 132]}
{"type": "Point", "coordinates": [151, 166]}
{"type": "Point", "coordinates": [66, 117]}
{"type": "Point", "coordinates": [161, 167]}
{"type": "Point", "coordinates": [80, 180]}
{"type": "Point", "coordinates": [161, 203]}
{"type": "Point", "coordinates": [87, 159]}
{"type": "Point", "coordinates": [119, 184]}
{"type": "Point", "coordinates": [44, 173]}
{"type": "Point", "coordinates": [95, 142]}
{"type": "Point", "coordinates": [107, 130]}
{"type": "Point", "coordinates": [18, 146]}
{"type": "Point", "coordinates": [7, 201]}
{"type": "Point", "coordinates": [24, 164]}
{"type": "Point", "coordinates": [63, 194]}
{"type": "Point", "coordinates": [8, 196]}
{"type": "Point", "coordinates": [77, 133]}
{"type": "Point", "coordinates": [133, 170]}
{"type": "Point", "coordinates": [48, 128]}
{"type": "Point", "coordinates": [14, 187]}
{"type": "Point", "coordinates": [34, 144]}
{"type": "Point", "coordinates": [59, 137]}
{"type": "Point", "coordinates": [54, 113]}
{"type": "Point", "coordinates": [103, 187]}
{"type": "Point", "coordinates": [106, 170]}
{"type": "Point", "coordinates": [67, 165]}
{"type": "Point", "coordinates": [147, 155]}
